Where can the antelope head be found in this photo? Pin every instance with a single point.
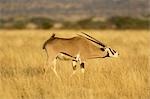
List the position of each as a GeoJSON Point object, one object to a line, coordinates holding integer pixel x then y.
{"type": "Point", "coordinates": [110, 52]}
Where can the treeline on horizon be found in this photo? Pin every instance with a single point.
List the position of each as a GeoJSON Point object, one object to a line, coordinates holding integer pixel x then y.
{"type": "Point", "coordinates": [116, 22]}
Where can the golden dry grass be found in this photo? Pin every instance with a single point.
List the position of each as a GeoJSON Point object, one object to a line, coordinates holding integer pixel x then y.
{"type": "Point", "coordinates": [22, 60]}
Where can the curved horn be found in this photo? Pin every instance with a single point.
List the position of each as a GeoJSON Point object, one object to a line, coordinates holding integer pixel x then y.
{"type": "Point", "coordinates": [91, 40]}
{"type": "Point", "coordinates": [94, 40]}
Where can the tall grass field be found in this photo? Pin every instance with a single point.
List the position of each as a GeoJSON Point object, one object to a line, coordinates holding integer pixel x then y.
{"type": "Point", "coordinates": [22, 61]}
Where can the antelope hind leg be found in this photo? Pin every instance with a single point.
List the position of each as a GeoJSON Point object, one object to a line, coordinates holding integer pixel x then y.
{"type": "Point", "coordinates": [54, 68]}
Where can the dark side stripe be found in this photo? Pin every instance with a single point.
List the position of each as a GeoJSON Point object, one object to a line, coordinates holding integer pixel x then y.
{"type": "Point", "coordinates": [67, 54]}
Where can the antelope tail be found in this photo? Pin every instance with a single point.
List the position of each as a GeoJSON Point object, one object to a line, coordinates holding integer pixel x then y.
{"type": "Point", "coordinates": [51, 38]}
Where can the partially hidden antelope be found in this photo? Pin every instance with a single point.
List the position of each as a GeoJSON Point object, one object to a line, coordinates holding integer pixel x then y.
{"type": "Point", "coordinates": [77, 49]}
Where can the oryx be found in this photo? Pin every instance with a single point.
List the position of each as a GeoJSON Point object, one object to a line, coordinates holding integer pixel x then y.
{"type": "Point", "coordinates": [77, 49]}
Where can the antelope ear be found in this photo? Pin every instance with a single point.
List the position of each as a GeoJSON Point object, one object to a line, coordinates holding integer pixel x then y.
{"type": "Point", "coordinates": [102, 49]}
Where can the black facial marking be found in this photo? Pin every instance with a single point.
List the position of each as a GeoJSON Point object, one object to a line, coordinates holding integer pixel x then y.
{"type": "Point", "coordinates": [111, 51]}
{"type": "Point", "coordinates": [107, 54]}
{"type": "Point", "coordinates": [114, 51]}
{"type": "Point", "coordinates": [74, 60]}
{"type": "Point", "coordinates": [82, 65]}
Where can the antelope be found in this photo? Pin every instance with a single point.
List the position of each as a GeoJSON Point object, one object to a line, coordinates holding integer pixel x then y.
{"type": "Point", "coordinates": [77, 49]}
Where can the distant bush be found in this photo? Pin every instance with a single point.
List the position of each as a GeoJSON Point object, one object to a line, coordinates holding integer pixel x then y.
{"type": "Point", "coordinates": [12, 23]}
{"type": "Point", "coordinates": [19, 24]}
{"type": "Point", "coordinates": [129, 23]}
{"type": "Point", "coordinates": [88, 23]}
{"type": "Point", "coordinates": [70, 25]}
{"type": "Point", "coordinates": [85, 24]}
{"type": "Point", "coordinates": [42, 23]}
{"type": "Point", "coordinates": [1, 23]}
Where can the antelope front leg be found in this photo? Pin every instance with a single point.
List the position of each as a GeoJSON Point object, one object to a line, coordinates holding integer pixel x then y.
{"type": "Point", "coordinates": [78, 58]}
{"type": "Point", "coordinates": [82, 67]}
{"type": "Point", "coordinates": [82, 64]}
{"type": "Point", "coordinates": [74, 66]}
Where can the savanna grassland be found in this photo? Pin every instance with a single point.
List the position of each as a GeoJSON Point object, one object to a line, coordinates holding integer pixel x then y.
{"type": "Point", "coordinates": [22, 59]}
